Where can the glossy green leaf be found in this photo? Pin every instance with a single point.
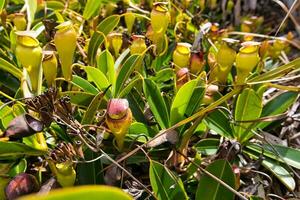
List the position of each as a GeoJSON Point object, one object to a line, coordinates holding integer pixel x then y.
{"type": "Point", "coordinates": [141, 132]}
{"type": "Point", "coordinates": [106, 26]}
{"type": "Point", "coordinates": [6, 115]}
{"type": "Point", "coordinates": [210, 188]}
{"type": "Point", "coordinates": [133, 82]}
{"type": "Point", "coordinates": [55, 5]}
{"type": "Point", "coordinates": [277, 170]}
{"type": "Point", "coordinates": [91, 111]}
{"type": "Point", "coordinates": [218, 121]}
{"type": "Point", "coordinates": [277, 105]}
{"type": "Point", "coordinates": [10, 68]}
{"type": "Point", "coordinates": [84, 85]}
{"type": "Point", "coordinates": [105, 63]}
{"type": "Point", "coordinates": [90, 9]}
{"type": "Point", "coordinates": [100, 80]}
{"type": "Point", "coordinates": [163, 75]}
{"type": "Point", "coordinates": [12, 150]}
{"type": "Point", "coordinates": [79, 98]}
{"type": "Point", "coordinates": [289, 155]}
{"type": "Point", "coordinates": [124, 73]}
{"type": "Point", "coordinates": [82, 193]}
{"type": "Point", "coordinates": [20, 167]}
{"type": "Point", "coordinates": [248, 107]}
{"type": "Point", "coordinates": [186, 100]}
{"type": "Point", "coordinates": [165, 184]}
{"type": "Point", "coordinates": [156, 103]}
{"type": "Point", "coordinates": [208, 146]}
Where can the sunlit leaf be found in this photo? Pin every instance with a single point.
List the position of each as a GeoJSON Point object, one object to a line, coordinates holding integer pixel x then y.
{"type": "Point", "coordinates": [12, 150]}
{"type": "Point", "coordinates": [100, 80]}
{"type": "Point", "coordinates": [106, 26]}
{"type": "Point", "coordinates": [186, 100]}
{"type": "Point", "coordinates": [248, 107]}
{"type": "Point", "coordinates": [90, 9]}
{"type": "Point", "coordinates": [125, 71]}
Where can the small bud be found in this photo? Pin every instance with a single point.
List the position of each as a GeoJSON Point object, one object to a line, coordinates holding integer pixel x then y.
{"type": "Point", "coordinates": [138, 45]}
{"type": "Point", "coordinates": [118, 119]}
{"type": "Point", "coordinates": [129, 20]}
{"type": "Point", "coordinates": [66, 174]}
{"type": "Point", "coordinates": [20, 21]}
{"type": "Point", "coordinates": [29, 54]}
{"type": "Point", "coordinates": [209, 94]}
{"type": "Point", "coordinates": [65, 42]}
{"type": "Point", "coordinates": [20, 185]}
{"type": "Point", "coordinates": [246, 60]}
{"type": "Point", "coordinates": [181, 55]}
{"type": "Point", "coordinates": [182, 77]}
{"type": "Point", "coordinates": [160, 17]}
{"type": "Point", "coordinates": [49, 67]}
{"type": "Point", "coordinates": [115, 42]}
{"type": "Point", "coordinates": [197, 62]}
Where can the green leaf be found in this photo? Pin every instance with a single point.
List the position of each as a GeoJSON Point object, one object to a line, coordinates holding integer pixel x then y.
{"type": "Point", "coordinates": [192, 168]}
{"type": "Point", "coordinates": [210, 188]}
{"type": "Point", "coordinates": [281, 173]}
{"type": "Point", "coordinates": [84, 85]}
{"type": "Point", "coordinates": [275, 168]}
{"type": "Point", "coordinates": [134, 82]}
{"type": "Point", "coordinates": [20, 167]}
{"type": "Point", "coordinates": [137, 106]}
{"type": "Point", "coordinates": [88, 173]}
{"type": "Point", "coordinates": [96, 76]}
{"type": "Point", "coordinates": [82, 193]}
{"type": "Point", "coordinates": [91, 111]}
{"type": "Point", "coordinates": [90, 9]}
{"type": "Point", "coordinates": [278, 72]}
{"type": "Point", "coordinates": [2, 5]}
{"type": "Point", "coordinates": [79, 98]}
{"type": "Point", "coordinates": [156, 103]}
{"type": "Point", "coordinates": [125, 72]}
{"type": "Point", "coordinates": [10, 68]}
{"type": "Point", "coordinates": [106, 26]}
{"type": "Point", "coordinates": [165, 184]}
{"type": "Point", "coordinates": [6, 115]}
{"type": "Point", "coordinates": [186, 100]}
{"type": "Point", "coordinates": [55, 5]}
{"type": "Point", "coordinates": [289, 155]}
{"type": "Point", "coordinates": [208, 146]}
{"type": "Point", "coordinates": [106, 63]}
{"type": "Point", "coordinates": [12, 150]}
{"type": "Point", "coordinates": [141, 132]}
{"type": "Point", "coordinates": [277, 105]}
{"type": "Point", "coordinates": [218, 121]}
{"type": "Point", "coordinates": [31, 6]}
{"type": "Point", "coordinates": [248, 107]}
